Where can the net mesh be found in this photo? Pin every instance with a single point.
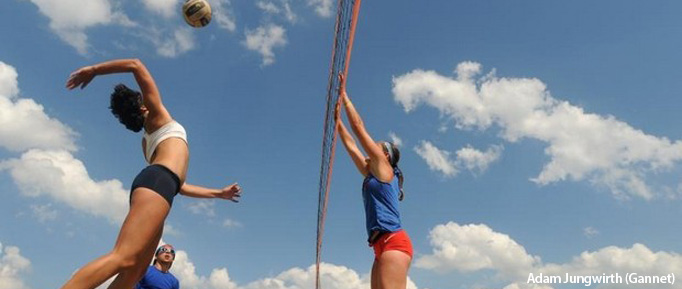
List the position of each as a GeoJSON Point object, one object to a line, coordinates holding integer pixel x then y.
{"type": "Point", "coordinates": [346, 19]}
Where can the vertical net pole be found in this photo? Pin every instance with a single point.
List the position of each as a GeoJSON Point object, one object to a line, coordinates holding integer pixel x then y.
{"type": "Point", "coordinates": [346, 21]}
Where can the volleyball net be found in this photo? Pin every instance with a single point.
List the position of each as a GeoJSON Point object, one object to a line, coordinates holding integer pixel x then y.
{"type": "Point", "coordinates": [346, 20]}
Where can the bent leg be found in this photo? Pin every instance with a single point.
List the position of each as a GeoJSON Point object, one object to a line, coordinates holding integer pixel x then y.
{"type": "Point", "coordinates": [128, 278]}
{"type": "Point", "coordinates": [392, 269]}
{"type": "Point", "coordinates": [148, 210]}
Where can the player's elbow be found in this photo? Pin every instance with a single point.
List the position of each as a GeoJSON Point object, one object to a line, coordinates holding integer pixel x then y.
{"type": "Point", "coordinates": [183, 189]}
{"type": "Point", "coordinates": [136, 64]}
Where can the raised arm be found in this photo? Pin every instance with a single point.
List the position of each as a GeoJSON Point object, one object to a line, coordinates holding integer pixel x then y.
{"type": "Point", "coordinates": [232, 192]}
{"type": "Point", "coordinates": [379, 165]}
{"type": "Point", "coordinates": [150, 93]}
{"type": "Point", "coordinates": [349, 143]}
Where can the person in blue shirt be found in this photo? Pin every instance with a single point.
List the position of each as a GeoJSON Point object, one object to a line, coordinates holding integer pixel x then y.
{"type": "Point", "coordinates": [382, 188]}
{"type": "Point", "coordinates": [158, 275]}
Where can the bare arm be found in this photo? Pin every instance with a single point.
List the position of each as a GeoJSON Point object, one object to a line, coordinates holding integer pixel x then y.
{"type": "Point", "coordinates": [379, 165]}
{"type": "Point", "coordinates": [349, 143]}
{"type": "Point", "coordinates": [232, 192]}
{"type": "Point", "coordinates": [150, 93]}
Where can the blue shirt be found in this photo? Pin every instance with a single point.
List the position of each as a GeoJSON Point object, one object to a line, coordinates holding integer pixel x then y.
{"type": "Point", "coordinates": [381, 205]}
{"type": "Point", "coordinates": [155, 279]}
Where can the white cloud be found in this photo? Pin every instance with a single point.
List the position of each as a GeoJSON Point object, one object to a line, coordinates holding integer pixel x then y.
{"type": "Point", "coordinates": [476, 160]}
{"type": "Point", "coordinates": [264, 39]}
{"type": "Point", "coordinates": [202, 207]}
{"type": "Point", "coordinates": [9, 86]}
{"type": "Point", "coordinates": [44, 213]}
{"type": "Point", "coordinates": [23, 122]}
{"type": "Point", "coordinates": [590, 232]}
{"type": "Point", "coordinates": [24, 125]}
{"type": "Point", "coordinates": [471, 248]}
{"type": "Point", "coordinates": [331, 277]}
{"type": "Point", "coordinates": [70, 24]}
{"type": "Point", "coordinates": [323, 8]}
{"type": "Point", "coordinates": [229, 223]}
{"type": "Point", "coordinates": [610, 260]}
{"type": "Point", "coordinates": [284, 10]}
{"type": "Point", "coordinates": [47, 167]}
{"type": "Point", "coordinates": [12, 264]}
{"type": "Point", "coordinates": [184, 270]}
{"type": "Point", "coordinates": [268, 7]}
{"type": "Point", "coordinates": [289, 14]}
{"type": "Point", "coordinates": [438, 160]}
{"type": "Point", "coordinates": [457, 98]}
{"type": "Point", "coordinates": [181, 41]}
{"type": "Point", "coordinates": [166, 8]}
{"type": "Point", "coordinates": [581, 145]}
{"type": "Point", "coordinates": [443, 128]}
{"type": "Point", "coordinates": [395, 139]}
{"type": "Point", "coordinates": [475, 247]}
{"type": "Point", "coordinates": [59, 175]}
{"type": "Point", "coordinates": [169, 230]}
{"type": "Point", "coordinates": [223, 14]}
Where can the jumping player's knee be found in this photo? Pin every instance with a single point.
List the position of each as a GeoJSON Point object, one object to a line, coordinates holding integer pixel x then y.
{"type": "Point", "coordinates": [125, 261]}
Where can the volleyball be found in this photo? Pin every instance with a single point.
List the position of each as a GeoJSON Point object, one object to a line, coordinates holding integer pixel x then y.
{"type": "Point", "coordinates": [197, 13]}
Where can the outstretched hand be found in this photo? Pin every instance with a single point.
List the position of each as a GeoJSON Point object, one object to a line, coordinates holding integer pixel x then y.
{"type": "Point", "coordinates": [80, 77]}
{"type": "Point", "coordinates": [232, 192]}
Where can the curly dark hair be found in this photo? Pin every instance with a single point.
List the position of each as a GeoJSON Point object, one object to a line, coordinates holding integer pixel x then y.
{"type": "Point", "coordinates": [125, 105]}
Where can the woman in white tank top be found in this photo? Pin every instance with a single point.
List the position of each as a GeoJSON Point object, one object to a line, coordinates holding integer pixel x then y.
{"type": "Point", "coordinates": [165, 148]}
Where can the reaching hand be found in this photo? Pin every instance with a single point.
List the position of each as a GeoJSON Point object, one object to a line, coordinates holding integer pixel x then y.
{"type": "Point", "coordinates": [232, 192]}
{"type": "Point", "coordinates": [80, 77]}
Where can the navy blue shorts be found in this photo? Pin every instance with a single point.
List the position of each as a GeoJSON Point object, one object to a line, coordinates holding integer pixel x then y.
{"type": "Point", "coordinates": [159, 179]}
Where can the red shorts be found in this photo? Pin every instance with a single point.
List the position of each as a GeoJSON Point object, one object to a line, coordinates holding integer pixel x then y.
{"type": "Point", "coordinates": [398, 240]}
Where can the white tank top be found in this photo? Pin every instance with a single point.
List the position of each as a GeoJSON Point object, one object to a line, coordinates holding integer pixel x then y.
{"type": "Point", "coordinates": [169, 130]}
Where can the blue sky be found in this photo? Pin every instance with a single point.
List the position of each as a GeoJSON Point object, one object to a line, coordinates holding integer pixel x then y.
{"type": "Point", "coordinates": [536, 137]}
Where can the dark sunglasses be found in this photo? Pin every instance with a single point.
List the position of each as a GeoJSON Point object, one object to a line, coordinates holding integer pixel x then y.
{"type": "Point", "coordinates": [165, 250]}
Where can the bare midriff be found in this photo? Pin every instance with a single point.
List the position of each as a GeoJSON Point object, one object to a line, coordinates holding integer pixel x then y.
{"type": "Point", "coordinates": [173, 154]}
